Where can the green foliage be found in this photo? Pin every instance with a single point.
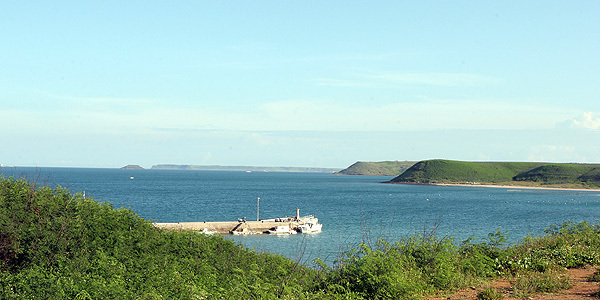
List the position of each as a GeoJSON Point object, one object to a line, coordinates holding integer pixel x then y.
{"type": "Point", "coordinates": [490, 294]}
{"type": "Point", "coordinates": [448, 171]}
{"type": "Point", "coordinates": [569, 245]}
{"type": "Point", "coordinates": [410, 268]}
{"type": "Point", "coordinates": [382, 168]}
{"type": "Point", "coordinates": [56, 245]}
{"type": "Point", "coordinates": [376, 274]}
{"type": "Point", "coordinates": [420, 265]}
{"type": "Point", "coordinates": [480, 259]}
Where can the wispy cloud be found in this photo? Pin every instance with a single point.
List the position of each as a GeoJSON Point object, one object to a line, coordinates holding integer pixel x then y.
{"type": "Point", "coordinates": [349, 83]}
{"type": "Point", "coordinates": [89, 116]}
{"type": "Point", "coordinates": [394, 79]}
{"type": "Point", "coordinates": [439, 79]}
{"type": "Point", "coordinates": [429, 114]}
{"type": "Point", "coordinates": [247, 61]}
{"type": "Point", "coordinates": [551, 153]}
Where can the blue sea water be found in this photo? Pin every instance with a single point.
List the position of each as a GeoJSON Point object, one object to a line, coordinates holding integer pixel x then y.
{"type": "Point", "coordinates": [352, 209]}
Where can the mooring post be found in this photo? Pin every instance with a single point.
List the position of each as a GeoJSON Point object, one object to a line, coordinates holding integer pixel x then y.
{"type": "Point", "coordinates": [257, 208]}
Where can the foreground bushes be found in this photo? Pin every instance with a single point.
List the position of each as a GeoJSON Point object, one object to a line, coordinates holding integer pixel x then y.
{"type": "Point", "coordinates": [413, 267]}
{"type": "Point", "coordinates": [55, 245]}
{"type": "Point", "coordinates": [423, 265]}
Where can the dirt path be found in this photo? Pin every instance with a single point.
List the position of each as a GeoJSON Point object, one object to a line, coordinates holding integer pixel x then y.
{"type": "Point", "coordinates": [582, 289]}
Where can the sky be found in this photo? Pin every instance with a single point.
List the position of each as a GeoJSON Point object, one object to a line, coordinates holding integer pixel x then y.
{"type": "Point", "coordinates": [297, 83]}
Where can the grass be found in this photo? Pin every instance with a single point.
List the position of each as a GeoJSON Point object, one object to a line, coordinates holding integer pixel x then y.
{"type": "Point", "coordinates": [536, 283]}
{"type": "Point", "coordinates": [382, 168]}
{"type": "Point", "coordinates": [490, 294]}
{"type": "Point", "coordinates": [595, 277]}
{"type": "Point", "coordinates": [58, 245]}
{"type": "Point", "coordinates": [558, 174]}
{"type": "Point", "coordinates": [448, 171]}
{"type": "Point", "coordinates": [441, 171]}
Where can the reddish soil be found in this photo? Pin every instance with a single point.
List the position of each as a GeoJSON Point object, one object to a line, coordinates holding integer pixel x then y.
{"type": "Point", "coordinates": [582, 289]}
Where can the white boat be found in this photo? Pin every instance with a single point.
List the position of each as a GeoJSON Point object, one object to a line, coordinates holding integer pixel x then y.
{"type": "Point", "coordinates": [206, 231]}
{"type": "Point", "coordinates": [282, 229]}
{"type": "Point", "coordinates": [310, 228]}
{"type": "Point", "coordinates": [245, 231]}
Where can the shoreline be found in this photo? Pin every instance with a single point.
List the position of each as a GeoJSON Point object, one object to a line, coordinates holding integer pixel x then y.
{"type": "Point", "coordinates": [504, 186]}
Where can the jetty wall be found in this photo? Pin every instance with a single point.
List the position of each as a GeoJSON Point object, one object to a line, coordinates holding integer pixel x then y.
{"type": "Point", "coordinates": [229, 227]}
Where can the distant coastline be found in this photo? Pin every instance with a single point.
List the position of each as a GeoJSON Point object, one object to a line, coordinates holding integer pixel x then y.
{"type": "Point", "coordinates": [132, 167]}
{"type": "Point", "coordinates": [243, 168]}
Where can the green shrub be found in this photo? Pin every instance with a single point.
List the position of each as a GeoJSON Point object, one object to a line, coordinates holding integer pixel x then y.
{"type": "Point", "coordinates": [406, 269]}
{"type": "Point", "coordinates": [376, 274]}
{"type": "Point", "coordinates": [480, 259]}
{"type": "Point", "coordinates": [61, 246]}
{"type": "Point", "coordinates": [568, 245]}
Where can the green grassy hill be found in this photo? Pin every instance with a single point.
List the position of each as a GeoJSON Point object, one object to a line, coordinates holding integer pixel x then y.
{"type": "Point", "coordinates": [382, 168]}
{"type": "Point", "coordinates": [591, 176]}
{"type": "Point", "coordinates": [561, 173]}
{"type": "Point", "coordinates": [448, 171]}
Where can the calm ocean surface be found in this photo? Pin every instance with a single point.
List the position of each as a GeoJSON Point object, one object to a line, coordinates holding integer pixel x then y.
{"type": "Point", "coordinates": [351, 208]}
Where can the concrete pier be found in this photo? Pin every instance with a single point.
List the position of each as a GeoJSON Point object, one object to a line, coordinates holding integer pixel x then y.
{"type": "Point", "coordinates": [236, 227]}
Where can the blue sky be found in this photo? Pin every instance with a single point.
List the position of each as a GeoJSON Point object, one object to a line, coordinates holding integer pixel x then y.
{"type": "Point", "coordinates": [298, 83]}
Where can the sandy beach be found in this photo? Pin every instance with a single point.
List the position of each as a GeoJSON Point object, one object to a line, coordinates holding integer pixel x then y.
{"type": "Point", "coordinates": [504, 186]}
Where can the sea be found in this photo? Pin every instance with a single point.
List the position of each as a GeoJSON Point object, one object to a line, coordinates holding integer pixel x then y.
{"type": "Point", "coordinates": [352, 209]}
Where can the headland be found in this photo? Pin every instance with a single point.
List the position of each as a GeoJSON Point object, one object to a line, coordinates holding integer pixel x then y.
{"type": "Point", "coordinates": [503, 174]}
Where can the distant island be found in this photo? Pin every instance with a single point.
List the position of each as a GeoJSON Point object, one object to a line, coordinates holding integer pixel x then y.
{"type": "Point", "coordinates": [381, 168]}
{"type": "Point", "coordinates": [132, 167]}
{"type": "Point", "coordinates": [243, 168]}
{"type": "Point", "coordinates": [561, 175]}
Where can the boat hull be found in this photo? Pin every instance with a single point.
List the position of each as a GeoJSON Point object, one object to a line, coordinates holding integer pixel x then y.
{"type": "Point", "coordinates": [310, 228]}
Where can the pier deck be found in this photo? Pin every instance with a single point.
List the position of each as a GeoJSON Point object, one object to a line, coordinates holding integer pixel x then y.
{"type": "Point", "coordinates": [230, 227]}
